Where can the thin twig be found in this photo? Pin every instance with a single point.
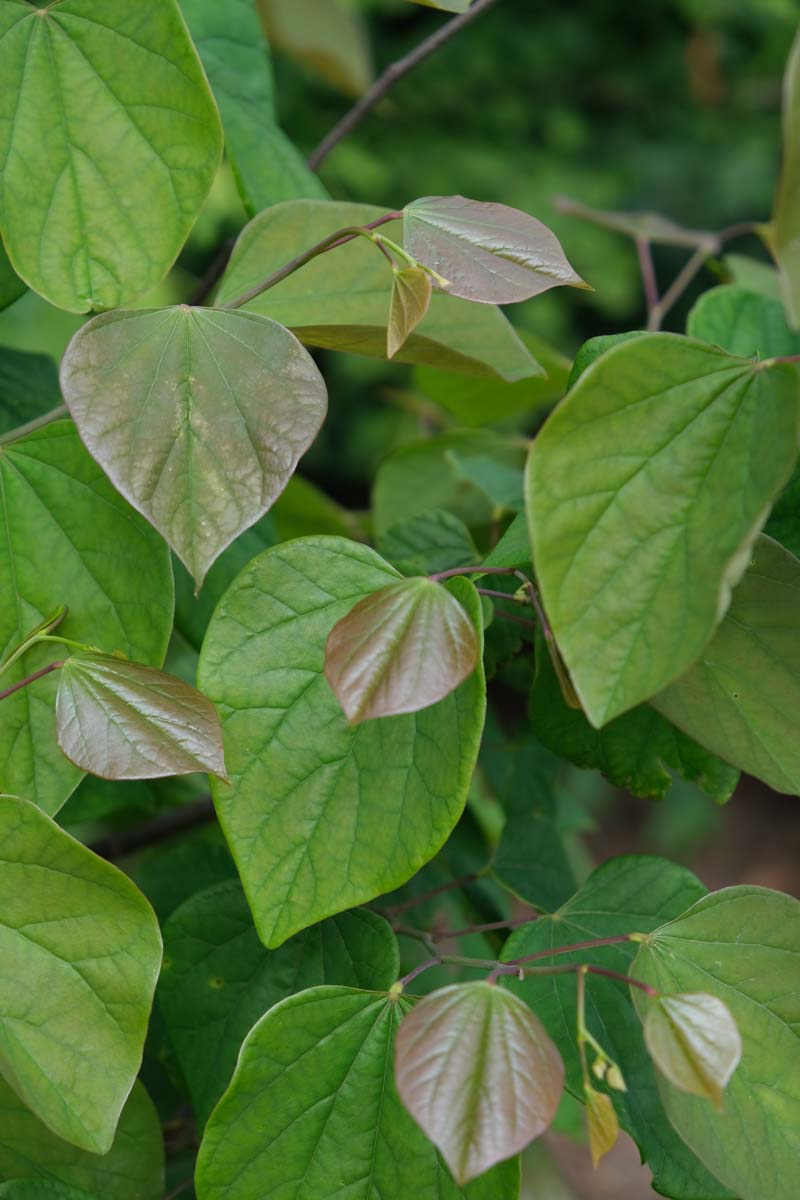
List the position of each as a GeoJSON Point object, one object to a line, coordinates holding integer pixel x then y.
{"type": "Point", "coordinates": [55, 414]}
{"type": "Point", "coordinates": [431, 894]}
{"type": "Point", "coordinates": [498, 595]}
{"type": "Point", "coordinates": [21, 683]}
{"type": "Point", "coordinates": [394, 72]}
{"type": "Point", "coordinates": [160, 829]}
{"type": "Point", "coordinates": [180, 1189]}
{"type": "Point", "coordinates": [648, 273]}
{"type": "Point", "coordinates": [448, 934]}
{"type": "Point", "coordinates": [592, 944]}
{"type": "Point", "coordinates": [678, 287]}
{"type": "Point", "coordinates": [424, 966]}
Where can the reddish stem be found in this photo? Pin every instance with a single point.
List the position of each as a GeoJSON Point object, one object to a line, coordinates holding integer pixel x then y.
{"type": "Point", "coordinates": [413, 901]}
{"type": "Point", "coordinates": [590, 945]}
{"type": "Point", "coordinates": [489, 927]}
{"type": "Point", "coordinates": [21, 683]}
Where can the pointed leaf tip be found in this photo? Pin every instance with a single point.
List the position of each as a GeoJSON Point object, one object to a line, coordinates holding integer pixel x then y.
{"type": "Point", "coordinates": [400, 649]}
{"type": "Point", "coordinates": [478, 1109]}
{"type": "Point", "coordinates": [408, 304]}
{"type": "Point", "coordinates": [601, 1122]}
{"type": "Point", "coordinates": [694, 1040]}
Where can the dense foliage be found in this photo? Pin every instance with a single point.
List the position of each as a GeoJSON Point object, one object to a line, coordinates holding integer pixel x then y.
{"type": "Point", "coordinates": [375, 962]}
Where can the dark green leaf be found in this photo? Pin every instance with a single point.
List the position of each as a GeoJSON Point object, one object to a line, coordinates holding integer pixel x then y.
{"type": "Point", "coordinates": [594, 347]}
{"type": "Point", "coordinates": [68, 538]}
{"type": "Point", "coordinates": [96, 205]}
{"type": "Point", "coordinates": [198, 416]}
{"type": "Point", "coordinates": [11, 286]}
{"type": "Point", "coordinates": [784, 520]}
{"type": "Point", "coordinates": [307, 816]}
{"type": "Point", "coordinates": [431, 541]}
{"type": "Point", "coordinates": [313, 1099]}
{"type": "Point", "coordinates": [485, 252]}
{"type": "Point", "coordinates": [645, 491]}
{"type": "Point", "coordinates": [341, 301]}
{"type": "Point", "coordinates": [743, 945]}
{"type": "Point", "coordinates": [742, 322]}
{"type": "Point", "coordinates": [531, 860]}
{"type": "Point", "coordinates": [28, 387]}
{"type": "Point", "coordinates": [514, 547]}
{"type": "Point", "coordinates": [693, 1040]}
{"type": "Point", "coordinates": [783, 232]}
{"type": "Point", "coordinates": [408, 303]}
{"type": "Point", "coordinates": [122, 720]}
{"type": "Point", "coordinates": [42, 1189]}
{"type": "Point", "coordinates": [478, 1073]}
{"type": "Point", "coordinates": [218, 979]}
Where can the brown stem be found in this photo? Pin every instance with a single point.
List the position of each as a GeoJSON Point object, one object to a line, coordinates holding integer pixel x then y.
{"type": "Point", "coordinates": [449, 934]}
{"type": "Point", "coordinates": [592, 944]}
{"type": "Point", "coordinates": [648, 273]}
{"type": "Point", "coordinates": [424, 966]}
{"type": "Point", "coordinates": [394, 72]}
{"type": "Point", "coordinates": [160, 829]}
{"type": "Point", "coordinates": [21, 683]}
{"type": "Point", "coordinates": [431, 894]}
{"type": "Point", "coordinates": [782, 358]}
{"type": "Point", "coordinates": [678, 286]}
{"type": "Point", "coordinates": [339, 238]}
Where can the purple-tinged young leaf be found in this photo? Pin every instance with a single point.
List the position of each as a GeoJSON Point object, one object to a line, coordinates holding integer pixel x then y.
{"type": "Point", "coordinates": [198, 417]}
{"type": "Point", "coordinates": [400, 649]}
{"type": "Point", "coordinates": [477, 1071]}
{"type": "Point", "coordinates": [694, 1041]}
{"type": "Point", "coordinates": [408, 304]}
{"type": "Point", "coordinates": [123, 720]}
{"type": "Point", "coordinates": [487, 252]}
{"type": "Point", "coordinates": [601, 1122]}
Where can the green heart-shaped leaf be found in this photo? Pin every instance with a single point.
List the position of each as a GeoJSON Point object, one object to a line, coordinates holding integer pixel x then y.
{"type": "Point", "coordinates": [742, 322]}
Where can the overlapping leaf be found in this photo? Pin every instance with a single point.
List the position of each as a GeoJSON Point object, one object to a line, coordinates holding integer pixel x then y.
{"type": "Point", "coordinates": [694, 1041]}
{"type": "Point", "coordinates": [313, 1100]}
{"type": "Point", "coordinates": [478, 1073]}
{"type": "Point", "coordinates": [199, 417]}
{"type": "Point", "coordinates": [645, 491]}
{"type": "Point", "coordinates": [485, 252]}
{"type": "Point", "coordinates": [11, 286]}
{"type": "Point", "coordinates": [741, 698]}
{"type": "Point", "coordinates": [122, 720]}
{"type": "Point", "coordinates": [110, 140]}
{"type": "Point", "coordinates": [28, 387]}
{"type": "Point", "coordinates": [327, 36]}
{"type": "Point", "coordinates": [340, 301]}
{"type": "Point", "coordinates": [408, 303]}
{"type": "Point", "coordinates": [743, 946]}
{"type": "Point", "coordinates": [431, 541]}
{"type": "Point", "coordinates": [742, 322]}
{"type": "Point", "coordinates": [783, 232]}
{"type": "Point", "coordinates": [322, 816]}
{"type": "Point", "coordinates": [68, 538]}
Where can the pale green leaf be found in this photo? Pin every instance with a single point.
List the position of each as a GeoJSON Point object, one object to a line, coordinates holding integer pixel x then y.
{"type": "Point", "coordinates": [313, 1101]}
{"type": "Point", "coordinates": [514, 547]}
{"type": "Point", "coordinates": [122, 720]}
{"type": "Point", "coordinates": [68, 538]}
{"type": "Point", "coordinates": [485, 252]}
{"type": "Point", "coordinates": [478, 1073]}
{"type": "Point", "coordinates": [198, 416]}
{"type": "Point", "coordinates": [400, 649]}
{"type": "Point", "coordinates": [327, 36]}
{"type": "Point", "coordinates": [340, 300]}
{"type": "Point", "coordinates": [753, 275]}
{"type": "Point", "coordinates": [307, 816]}
{"type": "Point", "coordinates": [133, 1169]}
{"type": "Point", "coordinates": [742, 322]}
{"type": "Point", "coordinates": [453, 6]}
{"type": "Point", "coordinates": [633, 893]}
{"type": "Point", "coordinates": [235, 55]}
{"type": "Point", "coordinates": [693, 1040]}
{"type": "Point", "coordinates": [408, 303]}
{"type": "Point", "coordinates": [110, 141]}
{"type": "Point", "coordinates": [645, 491]}
{"type": "Point", "coordinates": [218, 979]}
{"type": "Point", "coordinates": [81, 951]}
{"type": "Point", "coordinates": [742, 945]}
{"type": "Point", "coordinates": [742, 696]}
{"type": "Point", "coordinates": [783, 232]}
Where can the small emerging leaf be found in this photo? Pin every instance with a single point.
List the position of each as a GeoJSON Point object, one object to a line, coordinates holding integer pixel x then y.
{"type": "Point", "coordinates": [601, 1122]}
{"type": "Point", "coordinates": [400, 649]}
{"type": "Point", "coordinates": [487, 252]}
{"type": "Point", "coordinates": [478, 1072]}
{"type": "Point", "coordinates": [694, 1040]}
{"type": "Point", "coordinates": [123, 720]}
{"type": "Point", "coordinates": [408, 304]}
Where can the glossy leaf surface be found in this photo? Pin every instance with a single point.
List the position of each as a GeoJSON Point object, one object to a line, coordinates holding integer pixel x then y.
{"type": "Point", "coordinates": [95, 205]}
{"type": "Point", "coordinates": [742, 322]}
{"type": "Point", "coordinates": [485, 252]}
{"type": "Point", "coordinates": [400, 650]}
{"type": "Point", "coordinates": [340, 300]}
{"type": "Point", "coordinates": [218, 979]}
{"type": "Point", "coordinates": [637, 549]}
{"type": "Point", "coordinates": [68, 538]}
{"type": "Point", "coordinates": [56, 900]}
{"type": "Point", "coordinates": [783, 232]}
{"type": "Point", "coordinates": [198, 416]}
{"type": "Point", "coordinates": [742, 697]}
{"type": "Point", "coordinates": [313, 1099]}
{"type": "Point", "coordinates": [693, 1040]}
{"type": "Point", "coordinates": [478, 1073]}
{"type": "Point", "coordinates": [310, 818]}
{"type": "Point", "coordinates": [133, 1169]}
{"type": "Point", "coordinates": [743, 946]}
{"type": "Point", "coordinates": [408, 303]}
{"type": "Point", "coordinates": [122, 720]}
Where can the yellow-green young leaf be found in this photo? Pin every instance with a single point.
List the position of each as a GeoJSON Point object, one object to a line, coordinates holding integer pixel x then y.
{"type": "Point", "coordinates": [327, 36]}
{"type": "Point", "coordinates": [312, 1109]}
{"type": "Point", "coordinates": [311, 820]}
{"type": "Point", "coordinates": [340, 300]}
{"type": "Point", "coordinates": [741, 945]}
{"type": "Point", "coordinates": [637, 549]}
{"type": "Point", "coordinates": [198, 416]}
{"type": "Point", "coordinates": [122, 720]}
{"type": "Point", "coordinates": [694, 1041]}
{"type": "Point", "coordinates": [479, 1074]}
{"type": "Point", "coordinates": [67, 537]}
{"type": "Point", "coordinates": [408, 304]}
{"type": "Point", "coordinates": [741, 698]}
{"type": "Point", "coordinates": [133, 1169]}
{"type": "Point", "coordinates": [486, 252]}
{"type": "Point", "coordinates": [453, 6]}
{"type": "Point", "coordinates": [601, 1122]}
{"type": "Point", "coordinates": [109, 141]}
{"type": "Point", "coordinates": [783, 232]}
{"type": "Point", "coordinates": [81, 951]}
{"type": "Point", "coordinates": [651, 226]}
{"type": "Point", "coordinates": [399, 650]}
